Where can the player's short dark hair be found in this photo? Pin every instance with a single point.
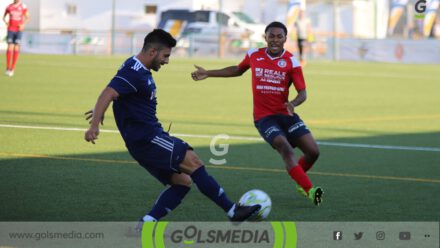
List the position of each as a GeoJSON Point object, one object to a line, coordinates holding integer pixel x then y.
{"type": "Point", "coordinates": [276, 25]}
{"type": "Point", "coordinates": [158, 38]}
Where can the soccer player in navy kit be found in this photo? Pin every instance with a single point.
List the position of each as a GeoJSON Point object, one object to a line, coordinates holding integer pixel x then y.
{"type": "Point", "coordinates": [273, 71]}
{"type": "Point", "coordinates": [169, 159]}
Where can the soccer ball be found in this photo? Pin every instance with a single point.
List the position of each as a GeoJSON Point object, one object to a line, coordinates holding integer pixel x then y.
{"type": "Point", "coordinates": [256, 196]}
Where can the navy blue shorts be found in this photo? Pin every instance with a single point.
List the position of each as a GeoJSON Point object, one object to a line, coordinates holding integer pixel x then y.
{"type": "Point", "coordinates": [291, 127]}
{"type": "Point", "coordinates": [14, 37]}
{"type": "Point", "coordinates": [161, 156]}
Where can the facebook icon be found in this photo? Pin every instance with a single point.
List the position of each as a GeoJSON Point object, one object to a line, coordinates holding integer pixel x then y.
{"type": "Point", "coordinates": [337, 235]}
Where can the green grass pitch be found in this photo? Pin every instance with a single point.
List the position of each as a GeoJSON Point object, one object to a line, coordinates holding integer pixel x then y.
{"type": "Point", "coordinates": [378, 126]}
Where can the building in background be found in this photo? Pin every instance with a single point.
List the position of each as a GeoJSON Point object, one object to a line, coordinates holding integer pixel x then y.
{"type": "Point", "coordinates": [97, 15]}
{"type": "Point", "coordinates": [355, 18]}
{"type": "Point", "coordinates": [117, 26]}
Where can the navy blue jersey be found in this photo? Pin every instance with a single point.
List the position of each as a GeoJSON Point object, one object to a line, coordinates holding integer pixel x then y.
{"type": "Point", "coordinates": [135, 108]}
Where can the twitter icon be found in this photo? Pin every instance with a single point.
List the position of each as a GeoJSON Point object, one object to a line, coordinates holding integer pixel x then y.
{"type": "Point", "coordinates": [358, 236]}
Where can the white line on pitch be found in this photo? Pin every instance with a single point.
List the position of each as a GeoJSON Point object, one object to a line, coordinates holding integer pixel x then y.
{"type": "Point", "coordinates": [324, 143]}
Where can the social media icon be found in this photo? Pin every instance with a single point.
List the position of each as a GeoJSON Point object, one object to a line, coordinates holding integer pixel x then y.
{"type": "Point", "coordinates": [380, 235]}
{"type": "Point", "coordinates": [404, 235]}
{"type": "Point", "coordinates": [337, 235]}
{"type": "Point", "coordinates": [358, 236]}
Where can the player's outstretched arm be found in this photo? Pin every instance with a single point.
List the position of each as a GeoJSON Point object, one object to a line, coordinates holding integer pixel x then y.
{"type": "Point", "coordinates": [201, 73]}
{"type": "Point", "coordinates": [107, 96]}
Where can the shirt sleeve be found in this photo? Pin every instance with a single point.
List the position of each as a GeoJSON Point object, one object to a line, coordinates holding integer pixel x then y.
{"type": "Point", "coordinates": [124, 83]}
{"type": "Point", "coordinates": [245, 63]}
{"type": "Point", "coordinates": [297, 75]}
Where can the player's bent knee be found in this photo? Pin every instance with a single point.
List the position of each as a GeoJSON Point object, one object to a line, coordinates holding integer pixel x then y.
{"type": "Point", "coordinates": [281, 144]}
{"type": "Point", "coordinates": [190, 163]}
{"type": "Point", "coordinates": [181, 179]}
{"type": "Point", "coordinates": [317, 153]}
{"type": "Point", "coordinates": [314, 154]}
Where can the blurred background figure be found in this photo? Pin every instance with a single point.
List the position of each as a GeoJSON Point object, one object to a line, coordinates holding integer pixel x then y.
{"type": "Point", "coordinates": [304, 35]}
{"type": "Point", "coordinates": [397, 9]}
{"type": "Point", "coordinates": [429, 20]}
{"type": "Point", "coordinates": [293, 9]}
{"type": "Point", "coordinates": [16, 16]}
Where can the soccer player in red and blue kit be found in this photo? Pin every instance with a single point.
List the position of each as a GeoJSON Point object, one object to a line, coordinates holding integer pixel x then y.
{"type": "Point", "coordinates": [273, 71]}
{"type": "Point", "coordinates": [18, 17]}
{"type": "Point", "coordinates": [169, 159]}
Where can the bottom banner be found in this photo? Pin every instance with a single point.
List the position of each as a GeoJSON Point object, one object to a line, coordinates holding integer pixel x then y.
{"type": "Point", "coordinates": [277, 234]}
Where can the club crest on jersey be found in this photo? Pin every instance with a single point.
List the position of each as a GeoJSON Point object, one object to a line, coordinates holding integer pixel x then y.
{"type": "Point", "coordinates": [282, 63]}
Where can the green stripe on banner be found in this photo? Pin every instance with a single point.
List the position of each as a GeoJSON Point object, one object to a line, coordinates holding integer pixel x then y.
{"type": "Point", "coordinates": [147, 235]}
{"type": "Point", "coordinates": [278, 234]}
{"type": "Point", "coordinates": [291, 235]}
{"type": "Point", "coordinates": [158, 235]}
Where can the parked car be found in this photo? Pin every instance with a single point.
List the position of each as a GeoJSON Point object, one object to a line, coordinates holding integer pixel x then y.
{"type": "Point", "coordinates": [200, 29]}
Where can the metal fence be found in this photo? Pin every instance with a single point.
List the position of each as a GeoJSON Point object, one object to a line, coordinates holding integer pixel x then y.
{"type": "Point", "coordinates": [81, 42]}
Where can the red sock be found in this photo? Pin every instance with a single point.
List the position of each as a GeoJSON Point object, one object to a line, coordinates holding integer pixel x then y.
{"type": "Point", "coordinates": [8, 59]}
{"type": "Point", "coordinates": [304, 165]}
{"type": "Point", "coordinates": [14, 59]}
{"type": "Point", "coordinates": [300, 177]}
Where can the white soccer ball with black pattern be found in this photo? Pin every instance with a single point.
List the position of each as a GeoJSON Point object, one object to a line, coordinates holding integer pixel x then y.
{"type": "Point", "coordinates": [256, 196]}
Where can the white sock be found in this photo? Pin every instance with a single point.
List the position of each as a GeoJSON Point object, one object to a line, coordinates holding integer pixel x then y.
{"type": "Point", "coordinates": [231, 211]}
{"type": "Point", "coordinates": [148, 218]}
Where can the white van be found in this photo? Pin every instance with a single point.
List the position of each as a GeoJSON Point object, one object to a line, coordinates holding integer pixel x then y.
{"type": "Point", "coordinates": [255, 29]}
{"type": "Point", "coordinates": [236, 25]}
{"type": "Point", "coordinates": [200, 29]}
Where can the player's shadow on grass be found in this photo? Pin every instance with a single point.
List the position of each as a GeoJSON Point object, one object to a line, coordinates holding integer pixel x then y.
{"type": "Point", "coordinates": [112, 187]}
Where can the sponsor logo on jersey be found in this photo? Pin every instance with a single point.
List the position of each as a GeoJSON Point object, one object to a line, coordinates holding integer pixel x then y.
{"type": "Point", "coordinates": [259, 72]}
{"type": "Point", "coordinates": [270, 130]}
{"type": "Point", "coordinates": [296, 126]}
{"type": "Point", "coordinates": [270, 88]}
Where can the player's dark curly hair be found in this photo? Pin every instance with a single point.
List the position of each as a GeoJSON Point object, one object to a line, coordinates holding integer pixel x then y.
{"type": "Point", "coordinates": [158, 38]}
{"type": "Point", "coordinates": [276, 25]}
